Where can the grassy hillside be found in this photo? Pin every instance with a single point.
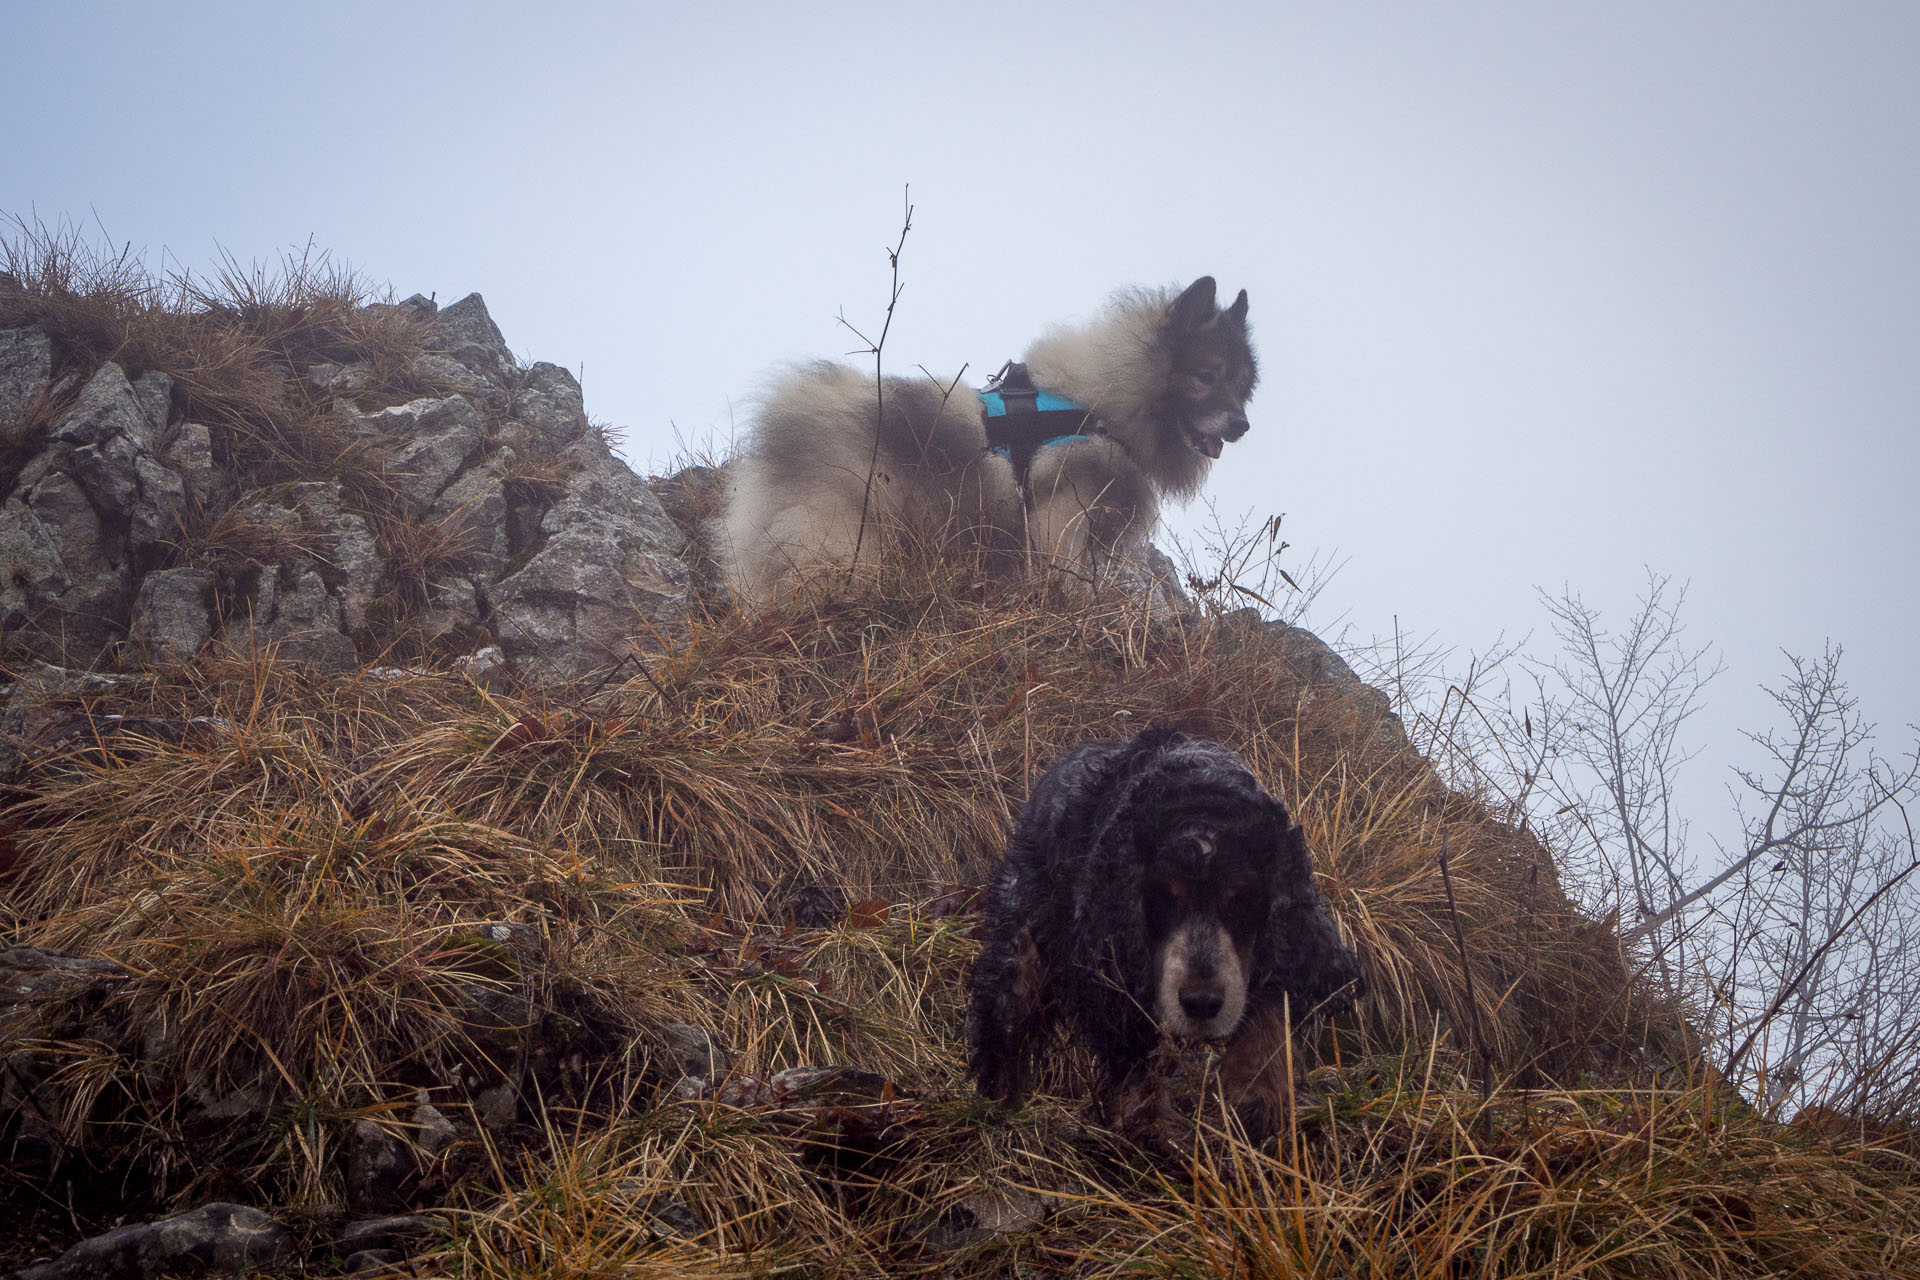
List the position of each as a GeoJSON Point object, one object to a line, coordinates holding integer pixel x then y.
{"type": "Point", "coordinates": [500, 924]}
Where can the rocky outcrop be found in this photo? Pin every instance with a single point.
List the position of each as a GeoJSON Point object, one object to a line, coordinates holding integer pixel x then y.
{"type": "Point", "coordinates": [489, 515]}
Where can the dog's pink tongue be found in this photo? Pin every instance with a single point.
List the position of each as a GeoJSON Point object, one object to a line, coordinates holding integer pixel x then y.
{"type": "Point", "coordinates": [1210, 445]}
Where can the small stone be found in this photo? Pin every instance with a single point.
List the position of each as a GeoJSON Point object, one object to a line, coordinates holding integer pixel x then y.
{"type": "Point", "coordinates": [496, 1108]}
{"type": "Point", "coordinates": [676, 1218]}
{"type": "Point", "coordinates": [984, 1215]}
{"type": "Point", "coordinates": [378, 1163]}
{"type": "Point", "coordinates": [521, 937]}
{"type": "Point", "coordinates": [434, 1132]}
{"type": "Point", "coordinates": [367, 1261]}
{"type": "Point", "coordinates": [483, 666]}
{"type": "Point", "coordinates": [696, 1051]}
{"type": "Point", "coordinates": [388, 1232]}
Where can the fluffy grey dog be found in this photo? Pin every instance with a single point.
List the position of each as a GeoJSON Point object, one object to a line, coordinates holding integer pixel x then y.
{"type": "Point", "coordinates": [1153, 891]}
{"type": "Point", "coordinates": [1156, 386]}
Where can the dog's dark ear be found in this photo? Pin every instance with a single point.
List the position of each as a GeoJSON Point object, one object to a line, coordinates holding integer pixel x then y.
{"type": "Point", "coordinates": [1237, 313]}
{"type": "Point", "coordinates": [1301, 954]}
{"type": "Point", "coordinates": [1113, 918]}
{"type": "Point", "coordinates": [1194, 307]}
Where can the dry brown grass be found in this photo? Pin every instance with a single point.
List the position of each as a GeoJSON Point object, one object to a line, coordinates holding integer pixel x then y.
{"type": "Point", "coordinates": [296, 886]}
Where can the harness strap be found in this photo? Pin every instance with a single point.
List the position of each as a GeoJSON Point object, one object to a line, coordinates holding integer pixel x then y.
{"type": "Point", "coordinates": [1021, 419]}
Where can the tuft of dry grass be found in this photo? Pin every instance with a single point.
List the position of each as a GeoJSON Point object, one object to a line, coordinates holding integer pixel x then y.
{"type": "Point", "coordinates": [1397, 1174]}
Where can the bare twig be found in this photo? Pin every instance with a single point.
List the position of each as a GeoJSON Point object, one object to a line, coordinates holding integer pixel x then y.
{"type": "Point", "coordinates": [874, 348]}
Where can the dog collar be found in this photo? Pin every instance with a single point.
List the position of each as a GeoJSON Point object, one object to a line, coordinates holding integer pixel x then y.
{"type": "Point", "coordinates": [1021, 419]}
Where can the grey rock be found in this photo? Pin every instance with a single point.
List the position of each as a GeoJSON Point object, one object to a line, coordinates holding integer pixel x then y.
{"type": "Point", "coordinates": [107, 408]}
{"type": "Point", "coordinates": [489, 1009]}
{"type": "Point", "coordinates": [984, 1215]}
{"type": "Point", "coordinates": [694, 497]}
{"type": "Point", "coordinates": [154, 392]}
{"type": "Point", "coordinates": [472, 513]}
{"type": "Point", "coordinates": [838, 1085]}
{"type": "Point", "coordinates": [241, 1103]}
{"type": "Point", "coordinates": [190, 453]}
{"type": "Point", "coordinates": [668, 1214]}
{"type": "Point", "coordinates": [41, 960]}
{"type": "Point", "coordinates": [302, 623]}
{"type": "Point", "coordinates": [67, 587]}
{"type": "Point", "coordinates": [172, 614]}
{"type": "Point", "coordinates": [46, 995]}
{"type": "Point", "coordinates": [496, 1108]}
{"type": "Point", "coordinates": [449, 375]}
{"type": "Point", "coordinates": [213, 1240]}
{"type": "Point", "coordinates": [379, 1164]}
{"type": "Point", "coordinates": [339, 379]}
{"type": "Point", "coordinates": [483, 666]}
{"type": "Point", "coordinates": [432, 441]}
{"type": "Point", "coordinates": [696, 1051]}
{"type": "Point", "coordinates": [31, 708]}
{"type": "Point", "coordinates": [673, 1217]}
{"type": "Point", "coordinates": [347, 544]}
{"type": "Point", "coordinates": [561, 578]}
{"type": "Point", "coordinates": [548, 399]}
{"type": "Point", "coordinates": [607, 576]}
{"type": "Point", "coordinates": [26, 367]}
{"type": "Point", "coordinates": [30, 1108]}
{"type": "Point", "coordinates": [452, 604]}
{"type": "Point", "coordinates": [467, 334]}
{"type": "Point", "coordinates": [388, 1232]}
{"type": "Point", "coordinates": [433, 1132]}
{"type": "Point", "coordinates": [115, 453]}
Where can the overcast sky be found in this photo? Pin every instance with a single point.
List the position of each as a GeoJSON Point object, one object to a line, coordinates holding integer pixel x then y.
{"type": "Point", "coordinates": [1543, 293]}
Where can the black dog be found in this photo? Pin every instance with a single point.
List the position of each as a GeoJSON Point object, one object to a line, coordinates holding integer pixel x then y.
{"type": "Point", "coordinates": [1153, 891]}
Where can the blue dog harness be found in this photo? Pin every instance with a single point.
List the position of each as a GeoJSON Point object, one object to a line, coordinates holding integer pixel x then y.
{"type": "Point", "coordinates": [1021, 419]}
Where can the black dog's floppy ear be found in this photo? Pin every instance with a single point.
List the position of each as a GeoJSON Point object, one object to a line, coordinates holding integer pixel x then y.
{"type": "Point", "coordinates": [1117, 892]}
{"type": "Point", "coordinates": [1194, 307]}
{"type": "Point", "coordinates": [1237, 313]}
{"type": "Point", "coordinates": [1292, 864]}
{"type": "Point", "coordinates": [1303, 954]}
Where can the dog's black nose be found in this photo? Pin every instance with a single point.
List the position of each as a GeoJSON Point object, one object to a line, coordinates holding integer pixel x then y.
{"type": "Point", "coordinates": [1201, 1003]}
{"type": "Point", "coordinates": [1236, 427]}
